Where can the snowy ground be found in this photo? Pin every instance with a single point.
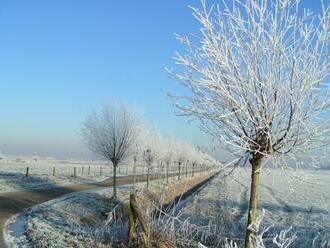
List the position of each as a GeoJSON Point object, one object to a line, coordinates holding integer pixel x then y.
{"type": "Point", "coordinates": [74, 220]}
{"type": "Point", "coordinates": [41, 172]}
{"type": "Point", "coordinates": [302, 202]}
{"type": "Point", "coordinates": [300, 199]}
{"type": "Point", "coordinates": [51, 224]}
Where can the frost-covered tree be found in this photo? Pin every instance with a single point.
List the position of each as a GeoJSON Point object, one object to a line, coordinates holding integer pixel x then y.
{"type": "Point", "coordinates": [149, 158]}
{"type": "Point", "coordinates": [168, 155]}
{"type": "Point", "coordinates": [152, 149]}
{"type": "Point", "coordinates": [257, 80]}
{"type": "Point", "coordinates": [135, 160]}
{"type": "Point", "coordinates": [197, 159]}
{"type": "Point", "coordinates": [35, 158]}
{"type": "Point", "coordinates": [181, 156]}
{"type": "Point", "coordinates": [111, 134]}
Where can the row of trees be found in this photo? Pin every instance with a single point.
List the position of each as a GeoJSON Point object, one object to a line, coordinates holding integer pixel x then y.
{"type": "Point", "coordinates": [116, 134]}
{"type": "Point", "coordinates": [170, 154]}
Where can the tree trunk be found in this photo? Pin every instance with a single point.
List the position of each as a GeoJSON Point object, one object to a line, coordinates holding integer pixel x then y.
{"type": "Point", "coordinates": [134, 171]}
{"type": "Point", "coordinates": [148, 176]}
{"type": "Point", "coordinates": [158, 171]}
{"type": "Point", "coordinates": [256, 163]}
{"type": "Point", "coordinates": [114, 180]}
{"type": "Point", "coordinates": [193, 170]}
{"type": "Point", "coordinates": [179, 176]}
{"type": "Point", "coordinates": [167, 170]}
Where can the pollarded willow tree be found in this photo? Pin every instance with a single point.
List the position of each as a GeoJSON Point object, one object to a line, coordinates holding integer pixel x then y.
{"type": "Point", "coordinates": [111, 134]}
{"type": "Point", "coordinates": [152, 150]}
{"type": "Point", "coordinates": [257, 81]}
{"type": "Point", "coordinates": [169, 155]}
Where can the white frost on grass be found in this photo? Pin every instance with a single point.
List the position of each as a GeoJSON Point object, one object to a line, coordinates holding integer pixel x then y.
{"type": "Point", "coordinates": [304, 205]}
{"type": "Point", "coordinates": [75, 220]}
{"type": "Point", "coordinates": [220, 207]}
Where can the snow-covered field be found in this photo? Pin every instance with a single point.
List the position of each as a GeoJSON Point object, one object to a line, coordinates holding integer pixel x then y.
{"type": "Point", "coordinates": [51, 172]}
{"type": "Point", "coordinates": [300, 199]}
{"type": "Point", "coordinates": [52, 224]}
{"type": "Point", "coordinates": [74, 220]}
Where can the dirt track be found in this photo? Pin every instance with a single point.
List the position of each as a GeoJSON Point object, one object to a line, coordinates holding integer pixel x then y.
{"type": "Point", "coordinates": [15, 202]}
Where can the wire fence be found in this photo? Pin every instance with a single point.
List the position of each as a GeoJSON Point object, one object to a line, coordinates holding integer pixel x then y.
{"type": "Point", "coordinates": [93, 170]}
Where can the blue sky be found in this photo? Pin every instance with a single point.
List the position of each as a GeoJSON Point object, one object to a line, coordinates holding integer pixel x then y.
{"type": "Point", "coordinates": [59, 60]}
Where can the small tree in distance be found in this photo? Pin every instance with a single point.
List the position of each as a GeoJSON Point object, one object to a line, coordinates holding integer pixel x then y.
{"type": "Point", "coordinates": [168, 155]}
{"type": "Point", "coordinates": [181, 157]}
{"type": "Point", "coordinates": [149, 158]}
{"type": "Point", "coordinates": [256, 80]}
{"type": "Point", "coordinates": [110, 134]}
{"type": "Point", "coordinates": [151, 149]}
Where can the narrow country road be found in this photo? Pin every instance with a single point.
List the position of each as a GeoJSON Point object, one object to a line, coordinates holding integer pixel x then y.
{"type": "Point", "coordinates": [15, 202]}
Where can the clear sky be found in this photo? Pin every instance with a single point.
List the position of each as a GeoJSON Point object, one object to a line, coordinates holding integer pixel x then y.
{"type": "Point", "coordinates": [59, 60]}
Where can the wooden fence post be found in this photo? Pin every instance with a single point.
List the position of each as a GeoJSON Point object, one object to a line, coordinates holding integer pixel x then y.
{"type": "Point", "coordinates": [89, 170]}
{"type": "Point", "coordinates": [74, 172]}
{"type": "Point", "coordinates": [27, 172]}
{"type": "Point", "coordinates": [54, 172]}
{"type": "Point", "coordinates": [100, 170]}
{"type": "Point", "coordinates": [82, 170]}
{"type": "Point", "coordinates": [136, 217]}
